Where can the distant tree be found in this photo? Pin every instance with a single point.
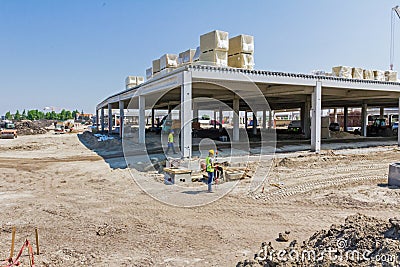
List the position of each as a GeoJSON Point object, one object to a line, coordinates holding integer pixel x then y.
{"type": "Point", "coordinates": [23, 116]}
{"type": "Point", "coordinates": [32, 115]}
{"type": "Point", "coordinates": [75, 114]}
{"type": "Point", "coordinates": [47, 116]}
{"type": "Point", "coordinates": [8, 116]}
{"type": "Point", "coordinates": [68, 115]}
{"type": "Point", "coordinates": [63, 115]}
{"type": "Point", "coordinates": [40, 114]}
{"type": "Point", "coordinates": [17, 115]}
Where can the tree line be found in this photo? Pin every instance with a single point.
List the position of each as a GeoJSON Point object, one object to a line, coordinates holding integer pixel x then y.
{"type": "Point", "coordinates": [40, 115]}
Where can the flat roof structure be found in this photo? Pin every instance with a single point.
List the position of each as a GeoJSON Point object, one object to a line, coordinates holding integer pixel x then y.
{"type": "Point", "coordinates": [237, 88]}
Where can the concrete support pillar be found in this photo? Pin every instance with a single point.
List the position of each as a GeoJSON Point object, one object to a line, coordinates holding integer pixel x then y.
{"type": "Point", "coordinates": [345, 118]}
{"type": "Point", "coordinates": [335, 115]}
{"type": "Point", "coordinates": [270, 119]}
{"type": "Point", "coordinates": [110, 118]}
{"type": "Point", "coordinates": [381, 112]}
{"type": "Point", "coordinates": [142, 119]}
{"type": "Point", "coordinates": [195, 111]}
{"type": "Point", "coordinates": [97, 119]}
{"type": "Point", "coordinates": [398, 132]}
{"type": "Point", "coordinates": [102, 120]}
{"type": "Point", "coordinates": [364, 119]}
{"type": "Point", "coordinates": [245, 119]}
{"type": "Point", "coordinates": [220, 118]}
{"type": "Point", "coordinates": [316, 118]}
{"type": "Point", "coordinates": [307, 119]}
{"type": "Point", "coordinates": [215, 119]}
{"type": "Point", "coordinates": [186, 115]}
{"type": "Point", "coordinates": [153, 118]}
{"type": "Point", "coordinates": [236, 118]}
{"type": "Point", "coordinates": [254, 122]}
{"type": "Point", "coordinates": [121, 117]}
{"type": "Point", "coordinates": [264, 119]}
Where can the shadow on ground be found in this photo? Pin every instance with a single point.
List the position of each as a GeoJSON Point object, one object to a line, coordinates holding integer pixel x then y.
{"type": "Point", "coordinates": [110, 150]}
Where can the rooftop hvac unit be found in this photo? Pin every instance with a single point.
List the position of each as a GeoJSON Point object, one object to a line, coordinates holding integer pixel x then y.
{"type": "Point", "coordinates": [149, 73]}
{"type": "Point", "coordinates": [244, 61]}
{"type": "Point", "coordinates": [215, 40]}
{"type": "Point", "coordinates": [168, 61]}
{"type": "Point", "coordinates": [196, 56]}
{"type": "Point", "coordinates": [186, 57]}
{"type": "Point", "coordinates": [130, 80]}
{"type": "Point", "coordinates": [139, 80]}
{"type": "Point", "coordinates": [219, 58]}
{"type": "Point", "coordinates": [156, 66]}
{"type": "Point", "coordinates": [241, 44]}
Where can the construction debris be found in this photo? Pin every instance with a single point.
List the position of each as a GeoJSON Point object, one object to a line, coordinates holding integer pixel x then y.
{"type": "Point", "coordinates": [27, 127]}
{"type": "Point", "coordinates": [360, 241]}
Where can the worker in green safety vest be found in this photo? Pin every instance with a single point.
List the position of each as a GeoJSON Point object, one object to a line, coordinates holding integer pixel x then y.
{"type": "Point", "coordinates": [210, 169]}
{"type": "Point", "coordinates": [171, 142]}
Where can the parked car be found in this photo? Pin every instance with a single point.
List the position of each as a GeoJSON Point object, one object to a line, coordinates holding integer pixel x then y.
{"type": "Point", "coordinates": [295, 126]}
{"type": "Point", "coordinates": [395, 128]}
{"type": "Point", "coordinates": [334, 127]}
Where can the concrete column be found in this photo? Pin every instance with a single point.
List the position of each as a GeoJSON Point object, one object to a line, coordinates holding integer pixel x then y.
{"type": "Point", "coordinates": [270, 119]}
{"type": "Point", "coordinates": [364, 119]}
{"type": "Point", "coordinates": [264, 119]}
{"type": "Point", "coordinates": [121, 117]}
{"type": "Point", "coordinates": [398, 132]}
{"type": "Point", "coordinates": [195, 111]}
{"type": "Point", "coordinates": [102, 120]}
{"type": "Point", "coordinates": [220, 118]}
{"type": "Point", "coordinates": [254, 122]}
{"type": "Point", "coordinates": [345, 118]}
{"type": "Point", "coordinates": [152, 118]}
{"type": "Point", "coordinates": [215, 119]}
{"type": "Point", "coordinates": [316, 118]}
{"type": "Point", "coordinates": [245, 119]}
{"type": "Point", "coordinates": [186, 115]}
{"type": "Point", "coordinates": [335, 115]}
{"type": "Point", "coordinates": [97, 119]}
{"type": "Point", "coordinates": [307, 119]}
{"type": "Point", "coordinates": [381, 112]}
{"type": "Point", "coordinates": [236, 118]}
{"type": "Point", "coordinates": [142, 119]}
{"type": "Point", "coordinates": [110, 118]}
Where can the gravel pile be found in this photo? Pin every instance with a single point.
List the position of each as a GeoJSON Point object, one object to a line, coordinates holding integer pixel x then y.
{"type": "Point", "coordinates": [360, 241]}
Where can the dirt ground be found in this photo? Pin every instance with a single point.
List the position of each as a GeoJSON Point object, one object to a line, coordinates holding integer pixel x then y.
{"type": "Point", "coordinates": [90, 213]}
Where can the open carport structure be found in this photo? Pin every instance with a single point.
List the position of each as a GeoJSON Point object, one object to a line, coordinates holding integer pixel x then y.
{"type": "Point", "coordinates": [309, 93]}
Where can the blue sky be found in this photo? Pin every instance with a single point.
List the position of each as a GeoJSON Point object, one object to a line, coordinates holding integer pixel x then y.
{"type": "Point", "coordinates": [73, 54]}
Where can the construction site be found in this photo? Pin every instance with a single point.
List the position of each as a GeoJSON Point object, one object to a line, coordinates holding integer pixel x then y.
{"type": "Point", "coordinates": [209, 161]}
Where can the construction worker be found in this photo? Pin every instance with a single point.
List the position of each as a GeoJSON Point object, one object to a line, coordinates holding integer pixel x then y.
{"type": "Point", "coordinates": [171, 142]}
{"type": "Point", "coordinates": [210, 169]}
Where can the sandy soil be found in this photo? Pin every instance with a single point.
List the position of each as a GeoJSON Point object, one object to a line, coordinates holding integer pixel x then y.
{"type": "Point", "coordinates": [90, 213]}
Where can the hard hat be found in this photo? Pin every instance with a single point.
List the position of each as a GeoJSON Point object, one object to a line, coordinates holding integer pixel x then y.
{"type": "Point", "coordinates": [211, 151]}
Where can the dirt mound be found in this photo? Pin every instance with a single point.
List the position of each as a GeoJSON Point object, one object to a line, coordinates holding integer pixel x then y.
{"type": "Point", "coordinates": [344, 135]}
{"type": "Point", "coordinates": [360, 241]}
{"type": "Point", "coordinates": [96, 142]}
{"type": "Point", "coordinates": [28, 127]}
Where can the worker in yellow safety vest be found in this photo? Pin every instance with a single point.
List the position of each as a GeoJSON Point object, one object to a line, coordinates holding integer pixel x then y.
{"type": "Point", "coordinates": [210, 169]}
{"type": "Point", "coordinates": [171, 142]}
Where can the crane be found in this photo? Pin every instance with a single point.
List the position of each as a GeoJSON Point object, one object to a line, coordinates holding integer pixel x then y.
{"type": "Point", "coordinates": [395, 11]}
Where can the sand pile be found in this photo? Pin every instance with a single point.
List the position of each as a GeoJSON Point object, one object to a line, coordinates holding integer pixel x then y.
{"type": "Point", "coordinates": [360, 241]}
{"type": "Point", "coordinates": [27, 127]}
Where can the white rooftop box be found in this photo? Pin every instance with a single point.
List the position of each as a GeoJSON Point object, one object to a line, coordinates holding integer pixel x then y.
{"type": "Point", "coordinates": [219, 58]}
{"type": "Point", "coordinates": [156, 66]}
{"type": "Point", "coordinates": [149, 73]}
{"type": "Point", "coordinates": [168, 61]}
{"type": "Point", "coordinates": [186, 57]}
{"type": "Point", "coordinates": [241, 44]}
{"type": "Point", "coordinates": [215, 40]}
